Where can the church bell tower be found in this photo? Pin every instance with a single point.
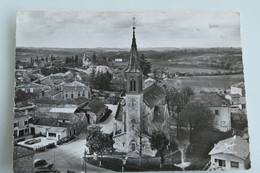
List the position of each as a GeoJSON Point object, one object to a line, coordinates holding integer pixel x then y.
{"type": "Point", "coordinates": [133, 98]}
{"type": "Point", "coordinates": [133, 73]}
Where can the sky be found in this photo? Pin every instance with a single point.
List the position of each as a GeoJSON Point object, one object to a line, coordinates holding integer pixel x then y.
{"type": "Point", "coordinates": [114, 29]}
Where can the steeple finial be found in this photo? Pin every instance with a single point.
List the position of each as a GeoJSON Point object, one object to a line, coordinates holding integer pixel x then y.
{"type": "Point", "coordinates": [134, 22]}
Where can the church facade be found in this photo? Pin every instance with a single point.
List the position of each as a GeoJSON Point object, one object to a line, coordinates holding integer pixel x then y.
{"type": "Point", "coordinates": [141, 111]}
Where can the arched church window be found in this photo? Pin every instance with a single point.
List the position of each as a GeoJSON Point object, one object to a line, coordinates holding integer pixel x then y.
{"type": "Point", "coordinates": [132, 85]}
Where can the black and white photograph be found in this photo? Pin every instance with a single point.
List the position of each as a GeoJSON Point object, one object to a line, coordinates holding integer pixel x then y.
{"type": "Point", "coordinates": [129, 92]}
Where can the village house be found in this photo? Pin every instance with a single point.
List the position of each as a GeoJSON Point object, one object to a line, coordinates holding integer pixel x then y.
{"type": "Point", "coordinates": [32, 88]}
{"type": "Point", "coordinates": [230, 154]}
{"type": "Point", "coordinates": [21, 124]}
{"type": "Point", "coordinates": [74, 90]}
{"type": "Point", "coordinates": [237, 95]}
{"type": "Point", "coordinates": [220, 108]}
{"type": "Point", "coordinates": [21, 157]}
{"type": "Point", "coordinates": [95, 111]}
{"type": "Point", "coordinates": [59, 126]}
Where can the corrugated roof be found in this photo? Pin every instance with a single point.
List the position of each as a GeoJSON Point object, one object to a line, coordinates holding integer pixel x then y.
{"type": "Point", "coordinates": [63, 110]}
{"type": "Point", "coordinates": [153, 95]}
{"type": "Point", "coordinates": [234, 145]}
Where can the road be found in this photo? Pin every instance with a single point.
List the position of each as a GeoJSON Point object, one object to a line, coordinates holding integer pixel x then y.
{"type": "Point", "coordinates": [68, 156]}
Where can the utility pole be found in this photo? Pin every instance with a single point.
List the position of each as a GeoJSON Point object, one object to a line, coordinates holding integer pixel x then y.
{"type": "Point", "coordinates": [84, 167]}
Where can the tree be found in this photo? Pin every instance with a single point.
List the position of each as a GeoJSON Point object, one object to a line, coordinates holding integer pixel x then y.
{"type": "Point", "coordinates": [197, 117]}
{"type": "Point", "coordinates": [94, 58]}
{"type": "Point", "coordinates": [100, 80]}
{"type": "Point", "coordinates": [176, 100]}
{"type": "Point", "coordinates": [76, 59]}
{"type": "Point", "coordinates": [159, 142]}
{"type": "Point", "coordinates": [99, 142]}
{"type": "Point", "coordinates": [145, 65]}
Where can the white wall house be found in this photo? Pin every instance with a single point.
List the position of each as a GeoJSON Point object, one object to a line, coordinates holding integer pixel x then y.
{"type": "Point", "coordinates": [222, 119]}
{"type": "Point", "coordinates": [21, 124]}
{"type": "Point", "coordinates": [230, 154]}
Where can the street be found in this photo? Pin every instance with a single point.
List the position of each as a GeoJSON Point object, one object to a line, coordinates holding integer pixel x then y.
{"type": "Point", "coordinates": [68, 156]}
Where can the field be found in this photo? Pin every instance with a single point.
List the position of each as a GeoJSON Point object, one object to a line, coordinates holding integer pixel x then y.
{"type": "Point", "coordinates": [209, 68]}
{"type": "Point", "coordinates": [221, 81]}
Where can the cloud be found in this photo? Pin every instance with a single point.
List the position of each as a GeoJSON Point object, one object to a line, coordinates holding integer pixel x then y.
{"type": "Point", "coordinates": [114, 29]}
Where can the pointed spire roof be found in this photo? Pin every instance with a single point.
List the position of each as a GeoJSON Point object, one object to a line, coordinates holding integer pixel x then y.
{"type": "Point", "coordinates": [133, 65]}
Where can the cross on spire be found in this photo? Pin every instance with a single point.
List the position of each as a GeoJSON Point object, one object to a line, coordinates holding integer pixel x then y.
{"type": "Point", "coordinates": [134, 22]}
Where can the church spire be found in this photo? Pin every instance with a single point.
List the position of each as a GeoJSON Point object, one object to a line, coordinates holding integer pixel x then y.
{"type": "Point", "coordinates": [133, 65]}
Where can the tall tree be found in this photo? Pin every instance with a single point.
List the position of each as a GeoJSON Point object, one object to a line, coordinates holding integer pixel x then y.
{"type": "Point", "coordinates": [145, 65]}
{"type": "Point", "coordinates": [94, 58]}
{"type": "Point", "coordinates": [197, 117]}
{"type": "Point", "coordinates": [98, 142]}
{"type": "Point", "coordinates": [176, 100]}
{"type": "Point", "coordinates": [159, 142]}
{"type": "Point", "coordinates": [76, 59]}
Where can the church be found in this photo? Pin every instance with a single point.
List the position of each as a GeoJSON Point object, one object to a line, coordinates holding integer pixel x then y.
{"type": "Point", "coordinates": [141, 111]}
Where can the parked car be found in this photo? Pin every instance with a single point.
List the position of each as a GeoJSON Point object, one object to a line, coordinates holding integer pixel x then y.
{"type": "Point", "coordinates": [39, 162]}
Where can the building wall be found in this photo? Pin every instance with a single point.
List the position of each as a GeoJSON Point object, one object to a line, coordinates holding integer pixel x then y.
{"type": "Point", "coordinates": [19, 164]}
{"type": "Point", "coordinates": [76, 94]}
{"type": "Point", "coordinates": [59, 135]}
{"type": "Point", "coordinates": [222, 120]}
{"type": "Point", "coordinates": [22, 126]}
{"type": "Point", "coordinates": [243, 164]}
{"type": "Point", "coordinates": [235, 90]}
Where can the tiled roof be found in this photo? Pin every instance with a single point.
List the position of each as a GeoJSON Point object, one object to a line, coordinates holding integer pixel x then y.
{"type": "Point", "coordinates": [234, 145]}
{"type": "Point", "coordinates": [80, 100]}
{"type": "Point", "coordinates": [153, 95]}
{"type": "Point", "coordinates": [52, 92]}
{"type": "Point", "coordinates": [64, 116]}
{"type": "Point", "coordinates": [239, 85]}
{"type": "Point", "coordinates": [19, 152]}
{"type": "Point", "coordinates": [211, 99]}
{"type": "Point", "coordinates": [119, 113]}
{"type": "Point", "coordinates": [20, 114]}
{"type": "Point", "coordinates": [95, 106]}
{"type": "Point", "coordinates": [45, 121]}
{"type": "Point", "coordinates": [54, 102]}
{"type": "Point", "coordinates": [158, 114]}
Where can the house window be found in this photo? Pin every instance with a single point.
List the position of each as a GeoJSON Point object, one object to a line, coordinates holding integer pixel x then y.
{"type": "Point", "coordinates": [234, 164]}
{"type": "Point", "coordinates": [216, 112]}
{"type": "Point", "coordinates": [16, 124]}
{"type": "Point", "coordinates": [222, 163]}
{"type": "Point", "coordinates": [72, 96]}
{"type": "Point", "coordinates": [123, 144]}
{"type": "Point", "coordinates": [26, 130]}
{"type": "Point", "coordinates": [79, 94]}
{"type": "Point", "coordinates": [66, 95]}
{"type": "Point", "coordinates": [52, 135]}
{"type": "Point", "coordinates": [83, 94]}
{"type": "Point", "coordinates": [25, 122]}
